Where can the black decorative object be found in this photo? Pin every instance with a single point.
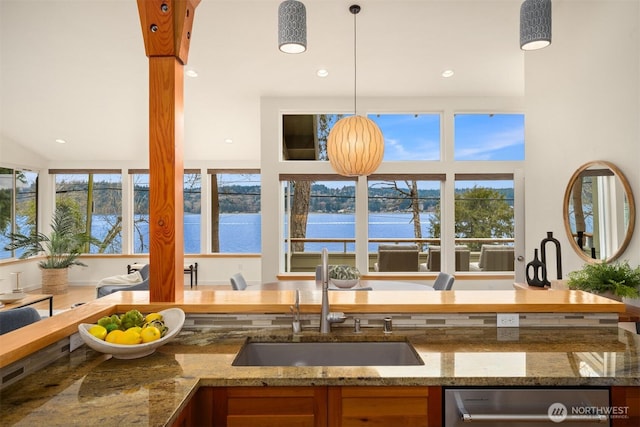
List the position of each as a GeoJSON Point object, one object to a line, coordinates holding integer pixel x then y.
{"type": "Point", "coordinates": [580, 240]}
{"type": "Point", "coordinates": [543, 252]}
{"type": "Point", "coordinates": [537, 272]}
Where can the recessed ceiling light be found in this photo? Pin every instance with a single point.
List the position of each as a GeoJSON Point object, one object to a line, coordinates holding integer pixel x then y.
{"type": "Point", "coordinates": [447, 73]}
{"type": "Point", "coordinates": [228, 140]}
{"type": "Point", "coordinates": [191, 73]}
{"type": "Point", "coordinates": [322, 72]}
{"type": "Point", "coordinates": [61, 141]}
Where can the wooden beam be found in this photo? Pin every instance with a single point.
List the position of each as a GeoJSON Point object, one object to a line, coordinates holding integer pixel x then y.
{"type": "Point", "coordinates": [166, 29]}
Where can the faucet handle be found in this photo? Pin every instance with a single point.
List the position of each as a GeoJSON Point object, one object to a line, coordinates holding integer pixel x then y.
{"type": "Point", "coordinates": [336, 317]}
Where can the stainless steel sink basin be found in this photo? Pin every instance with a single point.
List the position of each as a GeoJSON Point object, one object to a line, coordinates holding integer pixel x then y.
{"type": "Point", "coordinates": [353, 353]}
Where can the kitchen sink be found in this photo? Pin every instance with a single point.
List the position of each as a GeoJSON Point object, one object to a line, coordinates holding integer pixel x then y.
{"type": "Point", "coordinates": [330, 353]}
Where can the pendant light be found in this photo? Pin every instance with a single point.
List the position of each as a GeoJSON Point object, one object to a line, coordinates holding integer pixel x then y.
{"type": "Point", "coordinates": [292, 27]}
{"type": "Point", "coordinates": [535, 24]}
{"type": "Point", "coordinates": [355, 145]}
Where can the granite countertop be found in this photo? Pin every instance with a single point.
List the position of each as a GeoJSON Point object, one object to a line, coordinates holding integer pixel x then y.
{"type": "Point", "coordinates": [89, 388]}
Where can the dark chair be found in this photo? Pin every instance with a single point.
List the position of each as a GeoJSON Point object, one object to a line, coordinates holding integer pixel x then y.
{"type": "Point", "coordinates": [142, 286]}
{"type": "Point", "coordinates": [17, 318]}
{"type": "Point", "coordinates": [444, 282]}
{"type": "Point", "coordinates": [238, 283]}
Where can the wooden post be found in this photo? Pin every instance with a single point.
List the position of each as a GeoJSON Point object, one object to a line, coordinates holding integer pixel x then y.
{"type": "Point", "coordinates": [166, 29]}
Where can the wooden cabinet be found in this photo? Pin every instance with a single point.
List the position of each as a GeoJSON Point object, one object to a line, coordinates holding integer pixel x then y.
{"type": "Point", "coordinates": [385, 406]}
{"type": "Point", "coordinates": [626, 399]}
{"type": "Point", "coordinates": [270, 406]}
{"type": "Point", "coordinates": [323, 406]}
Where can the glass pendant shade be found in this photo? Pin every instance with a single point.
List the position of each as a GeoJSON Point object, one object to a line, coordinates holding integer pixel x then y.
{"type": "Point", "coordinates": [355, 146]}
{"type": "Point", "coordinates": [535, 24]}
{"type": "Point", "coordinates": [292, 27]}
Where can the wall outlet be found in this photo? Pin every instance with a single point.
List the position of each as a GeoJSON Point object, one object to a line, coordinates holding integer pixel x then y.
{"type": "Point", "coordinates": [75, 341]}
{"type": "Point", "coordinates": [508, 320]}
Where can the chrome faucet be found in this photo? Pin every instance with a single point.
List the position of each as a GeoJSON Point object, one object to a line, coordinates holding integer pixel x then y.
{"type": "Point", "coordinates": [326, 316]}
{"type": "Point", "coordinates": [295, 310]}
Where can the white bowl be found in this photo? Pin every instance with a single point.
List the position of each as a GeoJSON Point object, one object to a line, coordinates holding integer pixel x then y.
{"type": "Point", "coordinates": [12, 297]}
{"type": "Point", "coordinates": [173, 319]}
{"type": "Point", "coordinates": [345, 284]}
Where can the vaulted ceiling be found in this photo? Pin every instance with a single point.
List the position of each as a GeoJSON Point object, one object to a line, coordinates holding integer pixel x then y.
{"type": "Point", "coordinates": [76, 69]}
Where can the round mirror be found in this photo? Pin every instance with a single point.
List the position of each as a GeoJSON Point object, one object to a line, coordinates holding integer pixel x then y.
{"type": "Point", "coordinates": [599, 211]}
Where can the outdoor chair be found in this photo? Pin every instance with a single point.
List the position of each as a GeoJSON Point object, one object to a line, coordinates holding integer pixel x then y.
{"type": "Point", "coordinates": [495, 258]}
{"type": "Point", "coordinates": [397, 258]}
{"type": "Point", "coordinates": [463, 255]}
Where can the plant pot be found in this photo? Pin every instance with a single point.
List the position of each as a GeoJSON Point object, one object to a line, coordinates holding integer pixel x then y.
{"type": "Point", "coordinates": [55, 280]}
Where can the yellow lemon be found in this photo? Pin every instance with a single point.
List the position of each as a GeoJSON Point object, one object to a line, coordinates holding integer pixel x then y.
{"type": "Point", "coordinates": [130, 337]}
{"type": "Point", "coordinates": [114, 336]}
{"type": "Point", "coordinates": [138, 329]}
{"type": "Point", "coordinates": [152, 316]}
{"type": "Point", "coordinates": [98, 331]}
{"type": "Point", "coordinates": [150, 333]}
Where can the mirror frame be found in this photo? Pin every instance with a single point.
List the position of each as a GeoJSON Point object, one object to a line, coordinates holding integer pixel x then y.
{"type": "Point", "coordinates": [632, 210]}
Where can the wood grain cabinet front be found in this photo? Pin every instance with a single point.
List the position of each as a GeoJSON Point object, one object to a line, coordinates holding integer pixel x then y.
{"type": "Point", "coordinates": [314, 407]}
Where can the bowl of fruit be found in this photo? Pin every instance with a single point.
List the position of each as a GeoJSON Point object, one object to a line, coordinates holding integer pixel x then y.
{"type": "Point", "coordinates": [132, 335]}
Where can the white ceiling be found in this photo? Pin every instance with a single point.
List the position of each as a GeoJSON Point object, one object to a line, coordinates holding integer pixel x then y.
{"type": "Point", "coordinates": [76, 69]}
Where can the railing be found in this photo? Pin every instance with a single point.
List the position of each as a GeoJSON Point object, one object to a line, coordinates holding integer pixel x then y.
{"type": "Point", "coordinates": [397, 240]}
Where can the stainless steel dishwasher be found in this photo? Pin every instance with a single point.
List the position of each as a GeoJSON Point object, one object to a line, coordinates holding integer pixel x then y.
{"type": "Point", "coordinates": [526, 407]}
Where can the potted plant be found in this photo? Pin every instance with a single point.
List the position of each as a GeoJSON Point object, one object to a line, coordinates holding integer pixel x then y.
{"type": "Point", "coordinates": [344, 276]}
{"type": "Point", "coordinates": [61, 248]}
{"type": "Point", "coordinates": [612, 280]}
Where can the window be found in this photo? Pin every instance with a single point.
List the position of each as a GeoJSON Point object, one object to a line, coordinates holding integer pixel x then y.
{"type": "Point", "coordinates": [489, 137]}
{"type": "Point", "coordinates": [319, 212]}
{"type": "Point", "coordinates": [305, 135]}
{"type": "Point", "coordinates": [400, 209]}
{"type": "Point", "coordinates": [18, 205]}
{"type": "Point", "coordinates": [409, 136]}
{"type": "Point", "coordinates": [235, 211]}
{"type": "Point", "coordinates": [484, 222]}
{"type": "Point", "coordinates": [192, 209]}
{"type": "Point", "coordinates": [95, 198]}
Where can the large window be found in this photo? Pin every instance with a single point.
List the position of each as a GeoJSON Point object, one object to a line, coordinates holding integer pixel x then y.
{"type": "Point", "coordinates": [484, 222]}
{"type": "Point", "coordinates": [318, 214]}
{"type": "Point", "coordinates": [235, 211]}
{"type": "Point", "coordinates": [18, 206]}
{"type": "Point", "coordinates": [409, 137]}
{"type": "Point", "coordinates": [489, 137]}
{"type": "Point", "coordinates": [95, 198]}
{"type": "Point", "coordinates": [400, 210]}
{"type": "Point", "coordinates": [192, 210]}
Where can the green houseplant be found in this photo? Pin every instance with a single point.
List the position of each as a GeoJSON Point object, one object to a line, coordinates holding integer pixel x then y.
{"type": "Point", "coordinates": [61, 248]}
{"type": "Point", "coordinates": [614, 280]}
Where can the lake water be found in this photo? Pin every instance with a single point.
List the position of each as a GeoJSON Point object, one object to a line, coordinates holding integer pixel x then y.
{"type": "Point", "coordinates": [240, 233]}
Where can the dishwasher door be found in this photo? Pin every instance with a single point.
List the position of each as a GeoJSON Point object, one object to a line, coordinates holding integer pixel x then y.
{"type": "Point", "coordinates": [526, 407]}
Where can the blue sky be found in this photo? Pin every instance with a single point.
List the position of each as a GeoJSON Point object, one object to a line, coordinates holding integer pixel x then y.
{"type": "Point", "coordinates": [481, 137]}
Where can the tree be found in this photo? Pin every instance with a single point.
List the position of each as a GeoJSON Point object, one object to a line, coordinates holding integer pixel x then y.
{"type": "Point", "coordinates": [302, 189]}
{"type": "Point", "coordinates": [479, 213]}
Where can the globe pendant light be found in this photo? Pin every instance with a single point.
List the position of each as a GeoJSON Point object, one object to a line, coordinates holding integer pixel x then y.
{"type": "Point", "coordinates": [535, 24]}
{"type": "Point", "coordinates": [292, 27]}
{"type": "Point", "coordinates": [355, 145]}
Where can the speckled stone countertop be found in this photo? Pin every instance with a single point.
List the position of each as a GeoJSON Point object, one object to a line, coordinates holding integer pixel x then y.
{"type": "Point", "coordinates": [88, 388]}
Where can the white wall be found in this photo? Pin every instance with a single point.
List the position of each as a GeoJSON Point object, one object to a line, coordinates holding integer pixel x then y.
{"type": "Point", "coordinates": [582, 98]}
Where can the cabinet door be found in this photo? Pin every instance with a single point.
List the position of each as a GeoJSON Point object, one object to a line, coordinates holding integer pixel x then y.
{"type": "Point", "coordinates": [626, 400]}
{"type": "Point", "coordinates": [384, 406]}
{"type": "Point", "coordinates": [270, 406]}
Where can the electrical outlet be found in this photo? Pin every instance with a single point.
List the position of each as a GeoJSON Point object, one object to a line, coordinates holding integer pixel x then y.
{"type": "Point", "coordinates": [75, 341]}
{"type": "Point", "coordinates": [508, 320]}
